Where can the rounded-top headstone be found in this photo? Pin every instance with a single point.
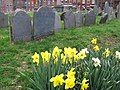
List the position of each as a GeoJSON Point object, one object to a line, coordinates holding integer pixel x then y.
{"type": "Point", "coordinates": [44, 20]}
{"type": "Point", "coordinates": [90, 18]}
{"type": "Point", "coordinates": [107, 8]}
{"type": "Point", "coordinates": [21, 27]}
{"type": "Point", "coordinates": [69, 20]}
{"type": "Point", "coordinates": [3, 20]}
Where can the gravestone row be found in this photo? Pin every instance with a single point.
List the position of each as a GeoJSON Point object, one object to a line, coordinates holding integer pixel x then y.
{"type": "Point", "coordinates": [46, 21]}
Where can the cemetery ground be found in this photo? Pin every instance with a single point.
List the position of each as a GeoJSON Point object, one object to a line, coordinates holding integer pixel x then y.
{"type": "Point", "coordinates": [15, 58]}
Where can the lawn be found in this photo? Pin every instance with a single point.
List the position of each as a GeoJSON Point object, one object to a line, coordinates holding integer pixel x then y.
{"type": "Point", "coordinates": [16, 57]}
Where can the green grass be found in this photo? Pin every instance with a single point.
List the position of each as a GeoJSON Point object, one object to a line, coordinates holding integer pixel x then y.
{"type": "Point", "coordinates": [16, 57]}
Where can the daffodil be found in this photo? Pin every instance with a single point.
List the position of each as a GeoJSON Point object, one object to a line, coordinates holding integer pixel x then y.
{"type": "Point", "coordinates": [82, 55]}
{"type": "Point", "coordinates": [45, 56]}
{"type": "Point", "coordinates": [96, 48]}
{"type": "Point", "coordinates": [117, 54]}
{"type": "Point", "coordinates": [57, 80]}
{"type": "Point", "coordinates": [69, 83]}
{"type": "Point", "coordinates": [71, 73]}
{"type": "Point", "coordinates": [85, 50]}
{"type": "Point", "coordinates": [35, 58]}
{"type": "Point", "coordinates": [94, 41]}
{"type": "Point", "coordinates": [84, 84]}
{"type": "Point", "coordinates": [63, 58]}
{"type": "Point", "coordinates": [96, 62]}
{"type": "Point", "coordinates": [70, 53]}
{"type": "Point", "coordinates": [106, 52]}
{"type": "Point", "coordinates": [56, 52]}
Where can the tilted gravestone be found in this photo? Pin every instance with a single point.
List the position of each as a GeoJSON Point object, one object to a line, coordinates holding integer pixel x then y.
{"type": "Point", "coordinates": [3, 20]}
{"type": "Point", "coordinates": [69, 20]}
{"type": "Point", "coordinates": [57, 23]}
{"type": "Point", "coordinates": [104, 18]}
{"type": "Point", "coordinates": [90, 18]}
{"type": "Point", "coordinates": [79, 19]}
{"type": "Point", "coordinates": [107, 8]}
{"type": "Point", "coordinates": [118, 11]}
{"type": "Point", "coordinates": [44, 20]}
{"type": "Point", "coordinates": [21, 27]}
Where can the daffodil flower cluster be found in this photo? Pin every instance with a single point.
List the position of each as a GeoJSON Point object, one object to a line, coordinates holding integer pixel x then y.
{"type": "Point", "coordinates": [70, 81]}
{"type": "Point", "coordinates": [91, 60]}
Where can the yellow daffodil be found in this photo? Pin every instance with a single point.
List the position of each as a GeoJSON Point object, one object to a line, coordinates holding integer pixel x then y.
{"type": "Point", "coordinates": [56, 52]}
{"type": "Point", "coordinates": [94, 41]}
{"type": "Point", "coordinates": [45, 56]}
{"type": "Point", "coordinates": [82, 55]}
{"type": "Point", "coordinates": [96, 62]}
{"type": "Point", "coordinates": [70, 52]}
{"type": "Point", "coordinates": [57, 80]}
{"type": "Point", "coordinates": [84, 84]}
{"type": "Point", "coordinates": [69, 83]}
{"type": "Point", "coordinates": [35, 58]}
{"type": "Point", "coordinates": [117, 54]}
{"type": "Point", "coordinates": [63, 58]}
{"type": "Point", "coordinates": [71, 73]}
{"type": "Point", "coordinates": [106, 52]}
{"type": "Point", "coordinates": [96, 48]}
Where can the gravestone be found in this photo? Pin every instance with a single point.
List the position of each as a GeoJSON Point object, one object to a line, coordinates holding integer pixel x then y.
{"type": "Point", "coordinates": [104, 18]}
{"type": "Point", "coordinates": [69, 20]}
{"type": "Point", "coordinates": [3, 20]}
{"type": "Point", "coordinates": [90, 18]}
{"type": "Point", "coordinates": [57, 23]}
{"type": "Point", "coordinates": [44, 19]}
{"type": "Point", "coordinates": [79, 19]}
{"type": "Point", "coordinates": [111, 14]}
{"type": "Point", "coordinates": [106, 8]}
{"type": "Point", "coordinates": [96, 9]}
{"type": "Point", "coordinates": [21, 27]}
{"type": "Point", "coordinates": [118, 11]}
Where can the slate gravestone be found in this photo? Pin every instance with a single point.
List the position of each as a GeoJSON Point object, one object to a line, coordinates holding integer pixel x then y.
{"type": "Point", "coordinates": [3, 20]}
{"type": "Point", "coordinates": [118, 11]}
{"type": "Point", "coordinates": [96, 10]}
{"type": "Point", "coordinates": [111, 14]}
{"type": "Point", "coordinates": [106, 8]}
{"type": "Point", "coordinates": [44, 20]}
{"type": "Point", "coordinates": [21, 28]}
{"type": "Point", "coordinates": [57, 23]}
{"type": "Point", "coordinates": [69, 20]}
{"type": "Point", "coordinates": [104, 18]}
{"type": "Point", "coordinates": [79, 18]}
{"type": "Point", "coordinates": [90, 18]}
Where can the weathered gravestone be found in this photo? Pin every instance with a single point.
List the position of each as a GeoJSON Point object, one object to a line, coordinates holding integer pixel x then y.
{"type": "Point", "coordinates": [57, 23]}
{"type": "Point", "coordinates": [90, 18]}
{"type": "Point", "coordinates": [118, 11]}
{"type": "Point", "coordinates": [21, 27]}
{"type": "Point", "coordinates": [69, 20]}
{"type": "Point", "coordinates": [106, 8]}
{"type": "Point", "coordinates": [79, 18]}
{"type": "Point", "coordinates": [104, 18]}
{"type": "Point", "coordinates": [3, 20]}
{"type": "Point", "coordinates": [111, 14]}
{"type": "Point", "coordinates": [96, 9]}
{"type": "Point", "coordinates": [44, 20]}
